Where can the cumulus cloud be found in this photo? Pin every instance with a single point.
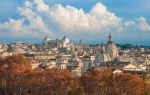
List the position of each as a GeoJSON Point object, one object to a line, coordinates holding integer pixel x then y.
{"type": "Point", "coordinates": [37, 19]}
{"type": "Point", "coordinates": [41, 6]}
{"type": "Point", "coordinates": [142, 24]}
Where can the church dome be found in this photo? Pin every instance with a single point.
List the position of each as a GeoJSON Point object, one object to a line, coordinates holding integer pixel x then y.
{"type": "Point", "coordinates": [111, 48]}
{"type": "Point", "coordinates": [102, 57]}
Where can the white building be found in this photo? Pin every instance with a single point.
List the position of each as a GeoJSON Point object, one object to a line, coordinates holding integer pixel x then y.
{"type": "Point", "coordinates": [102, 56]}
{"type": "Point", "coordinates": [61, 66]}
{"type": "Point", "coordinates": [88, 62]}
{"type": "Point", "coordinates": [63, 43]}
{"type": "Point", "coordinates": [48, 43]}
{"type": "Point", "coordinates": [132, 67]}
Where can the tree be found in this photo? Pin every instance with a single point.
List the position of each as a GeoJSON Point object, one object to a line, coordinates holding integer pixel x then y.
{"type": "Point", "coordinates": [127, 84]}
{"type": "Point", "coordinates": [146, 90]}
{"type": "Point", "coordinates": [97, 82]}
{"type": "Point", "coordinates": [17, 78]}
{"type": "Point", "coordinates": [76, 91]}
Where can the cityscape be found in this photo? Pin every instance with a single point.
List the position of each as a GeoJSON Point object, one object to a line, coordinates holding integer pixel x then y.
{"type": "Point", "coordinates": [35, 60]}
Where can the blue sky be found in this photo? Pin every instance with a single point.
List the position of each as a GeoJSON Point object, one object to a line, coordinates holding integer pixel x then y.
{"type": "Point", "coordinates": [128, 9]}
{"type": "Point", "coordinates": [133, 15]}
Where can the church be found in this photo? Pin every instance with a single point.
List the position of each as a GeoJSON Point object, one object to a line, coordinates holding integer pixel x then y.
{"type": "Point", "coordinates": [107, 52]}
{"type": "Point", "coordinates": [111, 48]}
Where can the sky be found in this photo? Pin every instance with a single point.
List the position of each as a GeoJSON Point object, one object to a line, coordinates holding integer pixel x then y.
{"type": "Point", "coordinates": [90, 20]}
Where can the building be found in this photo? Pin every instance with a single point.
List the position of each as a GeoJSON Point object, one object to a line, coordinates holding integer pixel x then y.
{"type": "Point", "coordinates": [48, 43]}
{"type": "Point", "coordinates": [132, 67]}
{"type": "Point", "coordinates": [63, 43]}
{"type": "Point", "coordinates": [18, 50]}
{"type": "Point", "coordinates": [61, 66]}
{"type": "Point", "coordinates": [111, 48]}
{"type": "Point", "coordinates": [102, 56]}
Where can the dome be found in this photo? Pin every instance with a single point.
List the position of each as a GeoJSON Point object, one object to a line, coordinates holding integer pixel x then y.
{"type": "Point", "coordinates": [102, 57]}
{"type": "Point", "coordinates": [111, 48]}
{"type": "Point", "coordinates": [18, 50]}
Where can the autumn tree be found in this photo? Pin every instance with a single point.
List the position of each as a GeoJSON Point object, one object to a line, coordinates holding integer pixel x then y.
{"type": "Point", "coordinates": [77, 90]}
{"type": "Point", "coordinates": [127, 84]}
{"type": "Point", "coordinates": [17, 78]}
{"type": "Point", "coordinates": [103, 82]}
{"type": "Point", "coordinates": [146, 90]}
{"type": "Point", "coordinates": [10, 68]}
{"type": "Point", "coordinates": [97, 82]}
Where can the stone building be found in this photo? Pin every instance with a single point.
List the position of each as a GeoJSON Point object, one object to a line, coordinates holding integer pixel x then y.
{"type": "Point", "coordinates": [111, 48]}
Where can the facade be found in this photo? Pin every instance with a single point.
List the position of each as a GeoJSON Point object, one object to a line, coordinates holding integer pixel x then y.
{"type": "Point", "coordinates": [88, 62]}
{"type": "Point", "coordinates": [61, 66]}
{"type": "Point", "coordinates": [48, 43]}
{"type": "Point", "coordinates": [63, 43]}
{"type": "Point", "coordinates": [43, 57]}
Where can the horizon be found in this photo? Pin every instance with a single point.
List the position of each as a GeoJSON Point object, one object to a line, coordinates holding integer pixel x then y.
{"type": "Point", "coordinates": [92, 21]}
{"type": "Point", "coordinates": [85, 42]}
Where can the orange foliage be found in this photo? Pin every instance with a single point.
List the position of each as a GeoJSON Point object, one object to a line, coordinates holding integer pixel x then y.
{"type": "Point", "coordinates": [102, 82]}
{"type": "Point", "coordinates": [97, 82]}
{"type": "Point", "coordinates": [127, 84]}
{"type": "Point", "coordinates": [17, 78]}
{"type": "Point", "coordinates": [16, 64]}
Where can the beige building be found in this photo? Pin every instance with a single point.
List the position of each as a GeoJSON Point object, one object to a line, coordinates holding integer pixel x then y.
{"type": "Point", "coordinates": [111, 48]}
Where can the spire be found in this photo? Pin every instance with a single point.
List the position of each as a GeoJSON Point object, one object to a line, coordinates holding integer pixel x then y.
{"type": "Point", "coordinates": [80, 41]}
{"type": "Point", "coordinates": [110, 39]}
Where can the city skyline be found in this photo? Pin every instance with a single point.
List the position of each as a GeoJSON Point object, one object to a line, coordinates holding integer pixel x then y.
{"type": "Point", "coordinates": [92, 21]}
{"type": "Point", "coordinates": [74, 47]}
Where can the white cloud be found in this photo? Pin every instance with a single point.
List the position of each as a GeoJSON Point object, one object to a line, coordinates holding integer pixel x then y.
{"type": "Point", "coordinates": [14, 24]}
{"type": "Point", "coordinates": [29, 25]}
{"type": "Point", "coordinates": [41, 6]}
{"type": "Point", "coordinates": [28, 4]}
{"type": "Point", "coordinates": [38, 19]}
{"type": "Point", "coordinates": [142, 24]}
{"type": "Point", "coordinates": [75, 20]}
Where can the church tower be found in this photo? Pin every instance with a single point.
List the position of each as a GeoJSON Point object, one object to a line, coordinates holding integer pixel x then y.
{"type": "Point", "coordinates": [110, 39]}
{"type": "Point", "coordinates": [111, 48]}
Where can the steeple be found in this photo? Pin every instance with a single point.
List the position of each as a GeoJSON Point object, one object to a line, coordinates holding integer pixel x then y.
{"type": "Point", "coordinates": [110, 39]}
{"type": "Point", "coordinates": [80, 42]}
